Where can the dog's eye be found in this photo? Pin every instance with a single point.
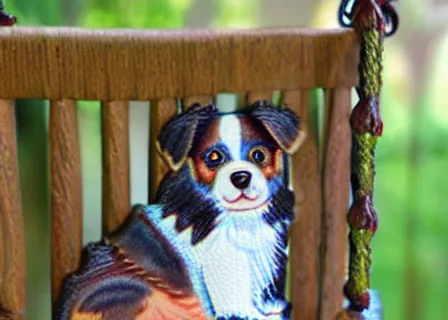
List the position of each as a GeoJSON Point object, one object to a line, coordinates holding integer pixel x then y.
{"type": "Point", "coordinates": [214, 158]}
{"type": "Point", "coordinates": [259, 155]}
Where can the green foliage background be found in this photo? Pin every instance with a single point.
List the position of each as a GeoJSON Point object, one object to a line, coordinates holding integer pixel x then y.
{"type": "Point", "coordinates": [412, 157]}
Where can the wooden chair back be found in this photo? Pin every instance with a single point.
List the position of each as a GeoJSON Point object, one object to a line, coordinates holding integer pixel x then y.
{"type": "Point", "coordinates": [114, 67]}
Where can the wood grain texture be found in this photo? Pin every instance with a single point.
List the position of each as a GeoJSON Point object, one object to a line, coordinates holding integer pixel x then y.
{"type": "Point", "coordinates": [161, 111]}
{"type": "Point", "coordinates": [254, 96]}
{"type": "Point", "coordinates": [116, 171]}
{"type": "Point", "coordinates": [336, 188]}
{"type": "Point", "coordinates": [66, 195]}
{"type": "Point", "coordinates": [12, 239]}
{"type": "Point", "coordinates": [202, 100]}
{"type": "Point", "coordinates": [304, 234]}
{"type": "Point", "coordinates": [325, 120]}
{"type": "Point", "coordinates": [115, 65]}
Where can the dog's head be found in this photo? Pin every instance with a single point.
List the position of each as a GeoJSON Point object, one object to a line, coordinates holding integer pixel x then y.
{"type": "Point", "coordinates": [236, 159]}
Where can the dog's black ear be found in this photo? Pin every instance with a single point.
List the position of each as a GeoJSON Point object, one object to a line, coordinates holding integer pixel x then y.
{"type": "Point", "coordinates": [176, 138]}
{"type": "Point", "coordinates": [281, 123]}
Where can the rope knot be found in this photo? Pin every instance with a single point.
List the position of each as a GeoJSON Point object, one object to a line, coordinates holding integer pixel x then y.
{"type": "Point", "coordinates": [366, 116]}
{"type": "Point", "coordinates": [362, 215]}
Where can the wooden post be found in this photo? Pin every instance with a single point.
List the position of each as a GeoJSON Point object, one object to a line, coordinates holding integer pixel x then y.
{"type": "Point", "coordinates": [66, 192]}
{"type": "Point", "coordinates": [12, 239]}
{"type": "Point", "coordinates": [116, 180]}
{"type": "Point", "coordinates": [161, 111]}
{"type": "Point", "coordinates": [304, 232]}
{"type": "Point", "coordinates": [335, 201]}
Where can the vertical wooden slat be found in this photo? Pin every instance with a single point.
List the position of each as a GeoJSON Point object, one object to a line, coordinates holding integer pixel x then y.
{"type": "Point", "coordinates": [202, 100]}
{"type": "Point", "coordinates": [252, 97]}
{"type": "Point", "coordinates": [66, 194]}
{"type": "Point", "coordinates": [12, 239]}
{"type": "Point", "coordinates": [116, 180]}
{"type": "Point", "coordinates": [336, 174]}
{"type": "Point", "coordinates": [161, 111]}
{"type": "Point", "coordinates": [304, 232]}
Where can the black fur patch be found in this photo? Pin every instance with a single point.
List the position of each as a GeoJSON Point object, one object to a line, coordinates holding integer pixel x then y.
{"type": "Point", "coordinates": [113, 292]}
{"type": "Point", "coordinates": [181, 195]}
{"type": "Point", "coordinates": [151, 251]}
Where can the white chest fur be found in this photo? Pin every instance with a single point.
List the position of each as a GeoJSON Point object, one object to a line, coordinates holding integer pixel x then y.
{"type": "Point", "coordinates": [238, 261]}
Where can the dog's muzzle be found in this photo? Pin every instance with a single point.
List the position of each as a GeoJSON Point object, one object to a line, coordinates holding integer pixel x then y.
{"type": "Point", "coordinates": [240, 186]}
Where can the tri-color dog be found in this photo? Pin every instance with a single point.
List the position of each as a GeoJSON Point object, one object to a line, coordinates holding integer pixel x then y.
{"type": "Point", "coordinates": [215, 244]}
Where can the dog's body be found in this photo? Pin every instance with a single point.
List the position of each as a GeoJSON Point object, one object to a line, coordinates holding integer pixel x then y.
{"type": "Point", "coordinates": [215, 245]}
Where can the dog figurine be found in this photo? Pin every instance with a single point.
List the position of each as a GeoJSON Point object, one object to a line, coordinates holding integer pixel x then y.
{"type": "Point", "coordinates": [215, 244]}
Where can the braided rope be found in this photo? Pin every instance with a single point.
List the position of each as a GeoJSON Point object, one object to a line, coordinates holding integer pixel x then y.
{"type": "Point", "coordinates": [372, 62]}
{"type": "Point", "coordinates": [364, 170]}
{"type": "Point", "coordinates": [362, 221]}
{"type": "Point", "coordinates": [370, 19]}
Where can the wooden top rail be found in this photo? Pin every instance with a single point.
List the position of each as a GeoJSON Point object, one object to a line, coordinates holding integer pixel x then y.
{"type": "Point", "coordinates": [73, 63]}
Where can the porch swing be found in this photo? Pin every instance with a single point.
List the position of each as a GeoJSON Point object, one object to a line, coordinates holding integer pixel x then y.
{"type": "Point", "coordinates": [51, 63]}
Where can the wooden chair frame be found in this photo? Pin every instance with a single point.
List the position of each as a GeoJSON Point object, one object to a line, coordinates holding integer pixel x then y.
{"type": "Point", "coordinates": [116, 66]}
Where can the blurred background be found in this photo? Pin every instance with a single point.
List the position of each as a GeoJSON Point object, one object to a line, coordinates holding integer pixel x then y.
{"type": "Point", "coordinates": [410, 249]}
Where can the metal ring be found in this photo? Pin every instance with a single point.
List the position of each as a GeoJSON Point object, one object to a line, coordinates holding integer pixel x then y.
{"type": "Point", "coordinates": [388, 12]}
{"type": "Point", "coordinates": [345, 13]}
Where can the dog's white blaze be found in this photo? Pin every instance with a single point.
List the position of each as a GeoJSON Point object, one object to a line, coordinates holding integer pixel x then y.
{"type": "Point", "coordinates": [230, 134]}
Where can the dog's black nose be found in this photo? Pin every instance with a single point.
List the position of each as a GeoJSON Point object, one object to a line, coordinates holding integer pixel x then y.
{"type": "Point", "coordinates": [241, 179]}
